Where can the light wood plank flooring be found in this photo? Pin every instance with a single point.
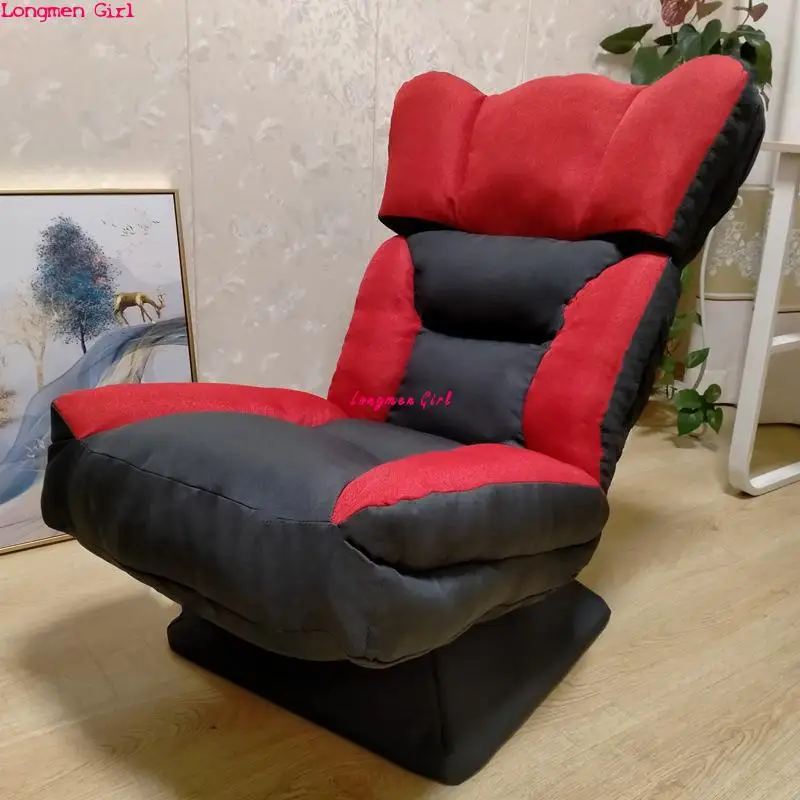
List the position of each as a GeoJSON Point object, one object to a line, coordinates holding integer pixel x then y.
{"type": "Point", "coordinates": [693, 692]}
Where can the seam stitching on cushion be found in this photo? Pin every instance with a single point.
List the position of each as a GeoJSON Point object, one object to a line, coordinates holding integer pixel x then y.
{"type": "Point", "coordinates": [132, 571]}
{"type": "Point", "coordinates": [186, 412]}
{"type": "Point", "coordinates": [310, 522]}
{"type": "Point", "coordinates": [449, 336]}
{"type": "Point", "coordinates": [595, 487]}
{"type": "Point", "coordinates": [405, 571]}
{"type": "Point", "coordinates": [509, 606]}
{"type": "Point", "coordinates": [465, 159]}
{"type": "Point", "coordinates": [349, 656]}
{"type": "Point", "coordinates": [420, 325]}
{"type": "Point", "coordinates": [599, 170]}
{"type": "Point", "coordinates": [446, 570]}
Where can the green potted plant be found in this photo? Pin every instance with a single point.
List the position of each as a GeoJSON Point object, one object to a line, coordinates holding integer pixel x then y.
{"type": "Point", "coordinates": [693, 31]}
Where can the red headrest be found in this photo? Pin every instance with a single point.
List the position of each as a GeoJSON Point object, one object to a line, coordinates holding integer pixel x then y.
{"type": "Point", "coordinates": [562, 157]}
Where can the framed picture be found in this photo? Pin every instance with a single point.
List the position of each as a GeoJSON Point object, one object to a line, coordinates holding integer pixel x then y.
{"type": "Point", "coordinates": [93, 291]}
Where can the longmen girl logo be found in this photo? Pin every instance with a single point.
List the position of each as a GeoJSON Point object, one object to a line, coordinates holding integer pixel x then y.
{"type": "Point", "coordinates": [44, 13]}
{"type": "Point", "coordinates": [425, 400]}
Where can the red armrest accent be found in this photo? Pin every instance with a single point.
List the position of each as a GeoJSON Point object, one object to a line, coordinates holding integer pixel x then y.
{"type": "Point", "coordinates": [589, 344]}
{"type": "Point", "coordinates": [460, 470]}
{"type": "Point", "coordinates": [91, 411]}
{"type": "Point", "coordinates": [381, 335]}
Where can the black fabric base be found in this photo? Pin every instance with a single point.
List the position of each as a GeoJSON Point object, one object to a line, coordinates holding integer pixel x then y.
{"type": "Point", "coordinates": [443, 715]}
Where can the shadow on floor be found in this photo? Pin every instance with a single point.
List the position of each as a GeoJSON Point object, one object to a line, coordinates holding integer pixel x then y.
{"type": "Point", "coordinates": [635, 540]}
{"type": "Point", "coordinates": [197, 735]}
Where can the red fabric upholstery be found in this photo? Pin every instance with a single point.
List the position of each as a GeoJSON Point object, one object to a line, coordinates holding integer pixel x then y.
{"type": "Point", "coordinates": [381, 334]}
{"type": "Point", "coordinates": [91, 411]}
{"type": "Point", "coordinates": [460, 470]}
{"type": "Point", "coordinates": [577, 375]}
{"type": "Point", "coordinates": [564, 157]}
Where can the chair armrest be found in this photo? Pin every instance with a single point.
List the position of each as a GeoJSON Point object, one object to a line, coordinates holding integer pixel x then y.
{"type": "Point", "coordinates": [91, 411]}
{"type": "Point", "coordinates": [459, 470]}
{"type": "Point", "coordinates": [476, 504]}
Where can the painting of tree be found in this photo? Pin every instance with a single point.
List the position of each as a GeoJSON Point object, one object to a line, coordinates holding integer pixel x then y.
{"type": "Point", "coordinates": [27, 325]}
{"type": "Point", "coordinates": [67, 260]}
{"type": "Point", "coordinates": [74, 283]}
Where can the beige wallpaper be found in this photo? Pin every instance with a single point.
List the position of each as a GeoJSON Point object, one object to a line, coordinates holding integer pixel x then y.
{"type": "Point", "coordinates": [271, 119]}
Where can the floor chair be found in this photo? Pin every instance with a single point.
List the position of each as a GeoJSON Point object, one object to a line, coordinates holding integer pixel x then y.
{"type": "Point", "coordinates": [398, 561]}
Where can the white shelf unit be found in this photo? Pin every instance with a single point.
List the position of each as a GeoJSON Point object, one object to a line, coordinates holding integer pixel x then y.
{"type": "Point", "coordinates": [763, 342]}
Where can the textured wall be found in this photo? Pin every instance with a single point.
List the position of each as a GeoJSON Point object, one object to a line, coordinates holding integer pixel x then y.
{"type": "Point", "coordinates": [291, 105]}
{"type": "Point", "coordinates": [271, 119]}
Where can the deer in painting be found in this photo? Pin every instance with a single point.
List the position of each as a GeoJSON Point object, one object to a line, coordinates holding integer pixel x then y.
{"type": "Point", "coordinates": [125, 300]}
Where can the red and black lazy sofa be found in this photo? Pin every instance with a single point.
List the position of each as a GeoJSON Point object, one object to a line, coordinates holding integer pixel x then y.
{"type": "Point", "coordinates": [400, 571]}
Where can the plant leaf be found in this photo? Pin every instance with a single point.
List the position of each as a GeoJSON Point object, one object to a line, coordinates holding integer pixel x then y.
{"type": "Point", "coordinates": [750, 34]}
{"type": "Point", "coordinates": [670, 60]}
{"type": "Point", "coordinates": [625, 40]}
{"type": "Point", "coordinates": [690, 421]}
{"type": "Point", "coordinates": [749, 54]}
{"type": "Point", "coordinates": [686, 278]}
{"type": "Point", "coordinates": [712, 394]}
{"type": "Point", "coordinates": [674, 12]}
{"type": "Point", "coordinates": [763, 65]}
{"type": "Point", "coordinates": [666, 39]}
{"type": "Point", "coordinates": [704, 9]}
{"type": "Point", "coordinates": [714, 417]}
{"type": "Point", "coordinates": [667, 365]}
{"type": "Point", "coordinates": [731, 47]}
{"type": "Point", "coordinates": [696, 358]}
{"type": "Point", "coordinates": [758, 11]}
{"type": "Point", "coordinates": [688, 400]}
{"type": "Point", "coordinates": [646, 66]}
{"type": "Point", "coordinates": [711, 35]}
{"type": "Point", "coordinates": [690, 42]}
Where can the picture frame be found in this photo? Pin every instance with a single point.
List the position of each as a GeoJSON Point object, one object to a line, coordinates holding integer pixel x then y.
{"type": "Point", "coordinates": [93, 291]}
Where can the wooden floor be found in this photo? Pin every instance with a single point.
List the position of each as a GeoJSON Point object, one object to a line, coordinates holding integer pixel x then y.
{"type": "Point", "coordinates": [693, 692]}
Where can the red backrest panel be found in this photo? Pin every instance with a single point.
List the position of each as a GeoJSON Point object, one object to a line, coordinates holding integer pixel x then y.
{"type": "Point", "coordinates": [579, 372]}
{"type": "Point", "coordinates": [562, 157]}
{"type": "Point", "coordinates": [381, 335]}
{"type": "Point", "coordinates": [535, 151]}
